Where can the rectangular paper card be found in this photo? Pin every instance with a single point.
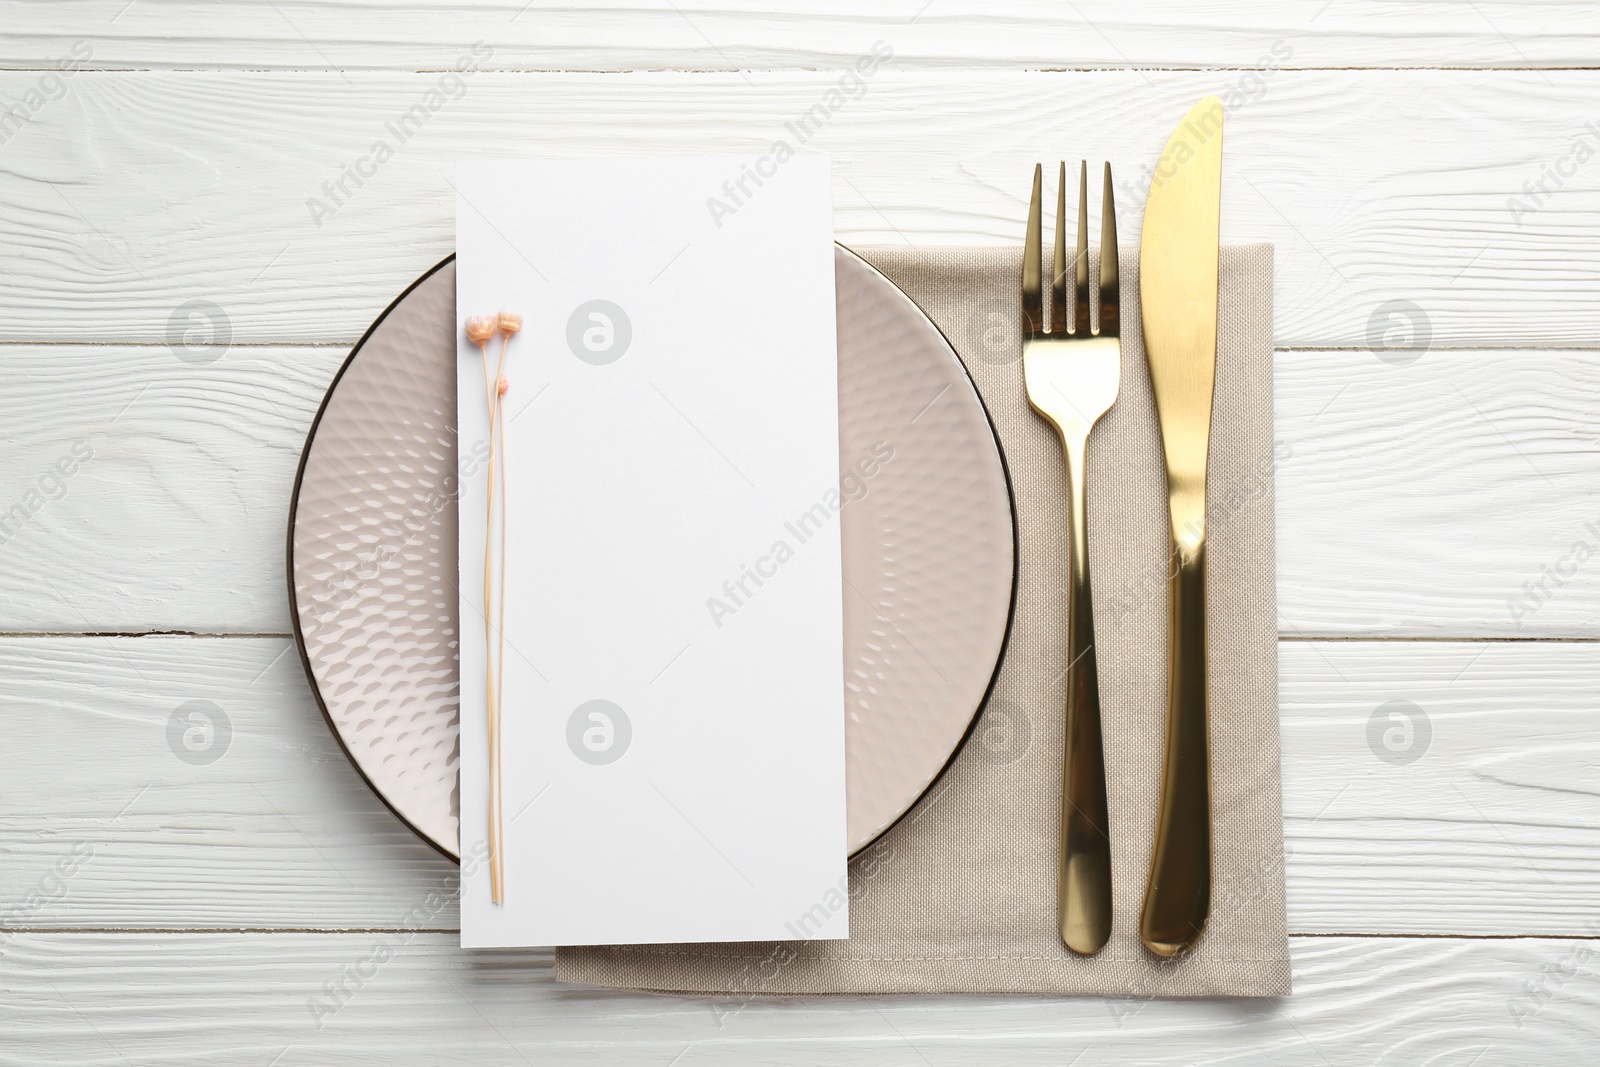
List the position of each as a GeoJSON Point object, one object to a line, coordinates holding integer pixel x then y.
{"type": "Point", "coordinates": [673, 709]}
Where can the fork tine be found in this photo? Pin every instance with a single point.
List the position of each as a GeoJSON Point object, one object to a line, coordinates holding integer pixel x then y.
{"type": "Point", "coordinates": [1032, 299]}
{"type": "Point", "coordinates": [1080, 326]}
{"type": "Point", "coordinates": [1110, 295]}
{"type": "Point", "coordinates": [1058, 273]}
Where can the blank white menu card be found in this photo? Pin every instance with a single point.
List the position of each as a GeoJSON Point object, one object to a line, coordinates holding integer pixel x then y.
{"type": "Point", "coordinates": [673, 715]}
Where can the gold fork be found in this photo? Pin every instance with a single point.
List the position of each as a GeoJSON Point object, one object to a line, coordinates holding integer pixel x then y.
{"type": "Point", "coordinates": [1072, 374]}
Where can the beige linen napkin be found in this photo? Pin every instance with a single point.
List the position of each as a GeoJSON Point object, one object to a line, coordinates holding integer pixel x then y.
{"type": "Point", "coordinates": [960, 896]}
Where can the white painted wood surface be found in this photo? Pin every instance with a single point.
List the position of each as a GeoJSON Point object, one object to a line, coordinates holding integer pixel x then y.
{"type": "Point", "coordinates": [727, 34]}
{"type": "Point", "coordinates": [405, 997]}
{"type": "Point", "coordinates": [1492, 829]}
{"type": "Point", "coordinates": [137, 192]}
{"type": "Point", "coordinates": [158, 910]}
{"type": "Point", "coordinates": [177, 520]}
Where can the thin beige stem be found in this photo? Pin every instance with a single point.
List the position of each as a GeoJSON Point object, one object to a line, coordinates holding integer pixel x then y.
{"type": "Point", "coordinates": [498, 428]}
{"type": "Point", "coordinates": [500, 654]}
{"type": "Point", "coordinates": [495, 872]}
{"type": "Point", "coordinates": [498, 448]}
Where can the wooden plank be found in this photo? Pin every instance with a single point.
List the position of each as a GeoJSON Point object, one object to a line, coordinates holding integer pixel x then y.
{"type": "Point", "coordinates": [1441, 787]}
{"type": "Point", "coordinates": [1416, 500]}
{"type": "Point", "coordinates": [1376, 186]}
{"type": "Point", "coordinates": [1492, 829]}
{"type": "Point", "coordinates": [296, 999]}
{"type": "Point", "coordinates": [171, 508]}
{"type": "Point", "coordinates": [360, 34]}
{"type": "Point", "coordinates": [1454, 496]}
{"type": "Point", "coordinates": [176, 521]}
{"type": "Point", "coordinates": [254, 819]}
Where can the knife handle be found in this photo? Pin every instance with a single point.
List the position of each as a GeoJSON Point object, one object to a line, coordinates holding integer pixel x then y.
{"type": "Point", "coordinates": [1084, 900]}
{"type": "Point", "coordinates": [1177, 897]}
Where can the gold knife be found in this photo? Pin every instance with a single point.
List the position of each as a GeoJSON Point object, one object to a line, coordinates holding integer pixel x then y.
{"type": "Point", "coordinates": [1178, 300]}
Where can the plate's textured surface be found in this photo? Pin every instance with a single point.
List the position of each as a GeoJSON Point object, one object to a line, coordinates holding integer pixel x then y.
{"type": "Point", "coordinates": [925, 516]}
{"type": "Point", "coordinates": [928, 548]}
{"type": "Point", "coordinates": [373, 563]}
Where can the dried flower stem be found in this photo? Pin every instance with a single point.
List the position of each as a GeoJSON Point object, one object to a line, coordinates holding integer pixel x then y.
{"type": "Point", "coordinates": [491, 671]}
{"type": "Point", "coordinates": [480, 330]}
{"type": "Point", "coordinates": [508, 325]}
{"type": "Point", "coordinates": [497, 449]}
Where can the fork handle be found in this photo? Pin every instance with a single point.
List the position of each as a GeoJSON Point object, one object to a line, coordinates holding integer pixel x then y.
{"type": "Point", "coordinates": [1177, 897]}
{"type": "Point", "coordinates": [1084, 901]}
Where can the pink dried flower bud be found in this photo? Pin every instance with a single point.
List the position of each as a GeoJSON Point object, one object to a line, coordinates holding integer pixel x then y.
{"type": "Point", "coordinates": [480, 328]}
{"type": "Point", "coordinates": [510, 323]}
{"type": "Point", "coordinates": [504, 385]}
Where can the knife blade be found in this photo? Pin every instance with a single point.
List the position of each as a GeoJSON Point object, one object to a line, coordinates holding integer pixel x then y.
{"type": "Point", "coordinates": [1178, 265]}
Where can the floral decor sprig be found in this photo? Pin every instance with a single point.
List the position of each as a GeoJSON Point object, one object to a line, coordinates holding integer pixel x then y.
{"type": "Point", "coordinates": [480, 331]}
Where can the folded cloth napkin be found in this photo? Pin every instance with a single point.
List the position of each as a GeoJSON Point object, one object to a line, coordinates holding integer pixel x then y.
{"type": "Point", "coordinates": [960, 896]}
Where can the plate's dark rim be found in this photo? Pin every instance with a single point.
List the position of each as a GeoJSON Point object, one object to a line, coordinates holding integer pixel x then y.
{"type": "Point", "coordinates": [1016, 551]}
{"type": "Point", "coordinates": [294, 607]}
{"type": "Point", "coordinates": [294, 601]}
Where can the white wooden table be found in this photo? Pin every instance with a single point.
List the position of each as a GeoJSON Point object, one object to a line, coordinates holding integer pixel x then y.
{"type": "Point", "coordinates": [173, 304]}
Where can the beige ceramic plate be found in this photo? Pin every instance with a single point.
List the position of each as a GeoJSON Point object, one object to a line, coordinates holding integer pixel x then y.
{"type": "Point", "coordinates": [929, 553]}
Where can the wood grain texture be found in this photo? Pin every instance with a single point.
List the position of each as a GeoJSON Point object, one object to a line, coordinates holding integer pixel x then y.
{"type": "Point", "coordinates": [362, 34]}
{"type": "Point", "coordinates": [1454, 496]}
{"type": "Point", "coordinates": [414, 998]}
{"type": "Point", "coordinates": [138, 192]}
{"type": "Point", "coordinates": [1493, 827]}
{"type": "Point", "coordinates": [1412, 500]}
{"type": "Point", "coordinates": [176, 520]}
{"type": "Point", "coordinates": [1442, 787]}
{"type": "Point", "coordinates": [145, 213]}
